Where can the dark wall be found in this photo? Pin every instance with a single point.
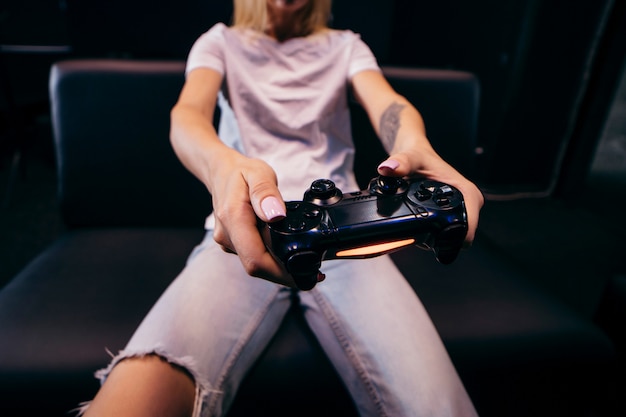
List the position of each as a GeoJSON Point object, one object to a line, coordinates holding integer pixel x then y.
{"type": "Point", "coordinates": [534, 59]}
{"type": "Point", "coordinates": [141, 28]}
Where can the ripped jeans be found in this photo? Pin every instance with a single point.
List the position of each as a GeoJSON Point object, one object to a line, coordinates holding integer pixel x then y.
{"type": "Point", "coordinates": [214, 320]}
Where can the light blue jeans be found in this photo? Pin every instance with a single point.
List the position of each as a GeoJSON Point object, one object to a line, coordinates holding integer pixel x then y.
{"type": "Point", "coordinates": [215, 320]}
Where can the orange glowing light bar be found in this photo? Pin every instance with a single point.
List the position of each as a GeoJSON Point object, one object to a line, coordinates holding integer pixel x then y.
{"type": "Point", "coordinates": [374, 249]}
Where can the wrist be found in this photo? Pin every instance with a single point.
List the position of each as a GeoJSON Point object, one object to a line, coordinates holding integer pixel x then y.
{"type": "Point", "coordinates": [219, 162]}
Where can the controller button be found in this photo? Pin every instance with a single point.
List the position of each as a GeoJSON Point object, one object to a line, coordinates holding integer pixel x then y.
{"type": "Point", "coordinates": [445, 190]}
{"type": "Point", "coordinates": [423, 195]}
{"type": "Point", "coordinates": [312, 214]}
{"type": "Point", "coordinates": [442, 201]}
{"type": "Point", "coordinates": [430, 188]}
{"type": "Point", "coordinates": [296, 225]}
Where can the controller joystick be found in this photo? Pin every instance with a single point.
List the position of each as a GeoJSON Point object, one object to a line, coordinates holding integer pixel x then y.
{"type": "Point", "coordinates": [323, 192]}
{"type": "Point", "coordinates": [392, 213]}
{"type": "Point", "coordinates": [388, 185]}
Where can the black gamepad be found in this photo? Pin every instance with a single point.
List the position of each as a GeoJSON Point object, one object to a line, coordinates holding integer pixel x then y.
{"type": "Point", "coordinates": [391, 214]}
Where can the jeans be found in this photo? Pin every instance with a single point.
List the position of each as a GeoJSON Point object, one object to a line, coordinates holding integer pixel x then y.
{"type": "Point", "coordinates": [214, 320]}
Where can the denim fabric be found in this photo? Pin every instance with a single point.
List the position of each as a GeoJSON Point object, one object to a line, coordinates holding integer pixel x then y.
{"type": "Point", "coordinates": [215, 321]}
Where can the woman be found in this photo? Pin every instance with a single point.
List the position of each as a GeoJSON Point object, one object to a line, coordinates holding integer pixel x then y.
{"type": "Point", "coordinates": [281, 79]}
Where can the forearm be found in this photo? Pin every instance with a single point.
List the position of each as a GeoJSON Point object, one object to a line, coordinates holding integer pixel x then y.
{"type": "Point", "coordinates": [398, 124]}
{"type": "Point", "coordinates": [403, 134]}
{"type": "Point", "coordinates": [196, 143]}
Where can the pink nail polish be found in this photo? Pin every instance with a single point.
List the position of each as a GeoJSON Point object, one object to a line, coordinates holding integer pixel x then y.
{"type": "Point", "coordinates": [390, 164]}
{"type": "Point", "coordinates": [272, 208]}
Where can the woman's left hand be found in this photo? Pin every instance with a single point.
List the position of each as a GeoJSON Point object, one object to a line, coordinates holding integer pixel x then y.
{"type": "Point", "coordinates": [430, 165]}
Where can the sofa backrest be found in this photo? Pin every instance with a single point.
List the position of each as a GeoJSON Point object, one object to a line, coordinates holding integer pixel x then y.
{"type": "Point", "coordinates": [116, 167]}
{"type": "Point", "coordinates": [115, 163]}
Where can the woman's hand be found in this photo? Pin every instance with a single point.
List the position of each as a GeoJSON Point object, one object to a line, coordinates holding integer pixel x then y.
{"type": "Point", "coordinates": [427, 163]}
{"type": "Point", "coordinates": [244, 190]}
{"type": "Point", "coordinates": [402, 132]}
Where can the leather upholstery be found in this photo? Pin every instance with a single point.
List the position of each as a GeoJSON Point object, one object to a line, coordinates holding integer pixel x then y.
{"type": "Point", "coordinates": [120, 110]}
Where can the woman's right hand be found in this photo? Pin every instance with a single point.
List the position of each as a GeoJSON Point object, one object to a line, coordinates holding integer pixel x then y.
{"type": "Point", "coordinates": [243, 189]}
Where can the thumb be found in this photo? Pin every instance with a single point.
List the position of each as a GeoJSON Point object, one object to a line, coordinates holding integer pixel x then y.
{"type": "Point", "coordinates": [273, 209]}
{"type": "Point", "coordinates": [396, 165]}
{"type": "Point", "coordinates": [265, 198]}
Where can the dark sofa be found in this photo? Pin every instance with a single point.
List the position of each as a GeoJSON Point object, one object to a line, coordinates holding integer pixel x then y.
{"type": "Point", "coordinates": [133, 214]}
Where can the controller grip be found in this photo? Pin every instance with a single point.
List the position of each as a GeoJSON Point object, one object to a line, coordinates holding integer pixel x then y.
{"type": "Point", "coordinates": [305, 282]}
{"type": "Point", "coordinates": [304, 267]}
{"type": "Point", "coordinates": [449, 242]}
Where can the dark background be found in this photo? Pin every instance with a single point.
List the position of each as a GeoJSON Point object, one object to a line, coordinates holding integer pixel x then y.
{"type": "Point", "coordinates": [549, 72]}
{"type": "Point", "coordinates": [548, 69]}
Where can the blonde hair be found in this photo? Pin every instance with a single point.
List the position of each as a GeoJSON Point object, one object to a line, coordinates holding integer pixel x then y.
{"type": "Point", "coordinates": [252, 14]}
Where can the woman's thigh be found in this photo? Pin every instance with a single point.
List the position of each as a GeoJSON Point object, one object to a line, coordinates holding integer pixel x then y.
{"type": "Point", "coordinates": [214, 320]}
{"type": "Point", "coordinates": [382, 342]}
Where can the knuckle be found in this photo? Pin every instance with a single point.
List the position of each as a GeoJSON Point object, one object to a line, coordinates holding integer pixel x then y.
{"type": "Point", "coordinates": [220, 237]}
{"type": "Point", "coordinates": [261, 179]}
{"type": "Point", "coordinates": [221, 214]}
{"type": "Point", "coordinates": [252, 267]}
{"type": "Point", "coordinates": [263, 187]}
{"type": "Point", "coordinates": [226, 210]}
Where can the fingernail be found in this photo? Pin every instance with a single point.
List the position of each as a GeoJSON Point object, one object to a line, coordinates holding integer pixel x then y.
{"type": "Point", "coordinates": [321, 276]}
{"type": "Point", "coordinates": [272, 208]}
{"type": "Point", "coordinates": [391, 164]}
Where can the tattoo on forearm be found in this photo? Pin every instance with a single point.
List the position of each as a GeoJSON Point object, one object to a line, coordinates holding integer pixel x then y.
{"type": "Point", "coordinates": [390, 124]}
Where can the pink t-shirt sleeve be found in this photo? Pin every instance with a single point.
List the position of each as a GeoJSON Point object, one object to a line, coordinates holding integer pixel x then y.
{"type": "Point", "coordinates": [207, 51]}
{"type": "Point", "coordinates": [361, 58]}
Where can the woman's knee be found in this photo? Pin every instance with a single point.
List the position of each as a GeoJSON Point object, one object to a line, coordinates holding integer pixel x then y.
{"type": "Point", "coordinates": [145, 385]}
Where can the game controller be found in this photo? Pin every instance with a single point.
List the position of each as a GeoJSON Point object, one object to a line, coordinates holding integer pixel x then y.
{"type": "Point", "coordinates": [392, 213]}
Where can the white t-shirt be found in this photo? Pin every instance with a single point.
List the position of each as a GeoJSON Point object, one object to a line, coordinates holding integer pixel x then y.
{"type": "Point", "coordinates": [286, 103]}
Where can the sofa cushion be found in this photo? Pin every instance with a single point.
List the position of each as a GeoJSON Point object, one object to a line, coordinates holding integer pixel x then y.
{"type": "Point", "coordinates": [86, 293]}
{"type": "Point", "coordinates": [90, 290]}
{"type": "Point", "coordinates": [519, 351]}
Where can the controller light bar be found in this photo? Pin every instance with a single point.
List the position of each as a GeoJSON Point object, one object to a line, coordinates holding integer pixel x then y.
{"type": "Point", "coordinates": [374, 249]}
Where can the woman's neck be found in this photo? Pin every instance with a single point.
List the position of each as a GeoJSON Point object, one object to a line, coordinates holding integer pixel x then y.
{"type": "Point", "coordinates": [286, 20]}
